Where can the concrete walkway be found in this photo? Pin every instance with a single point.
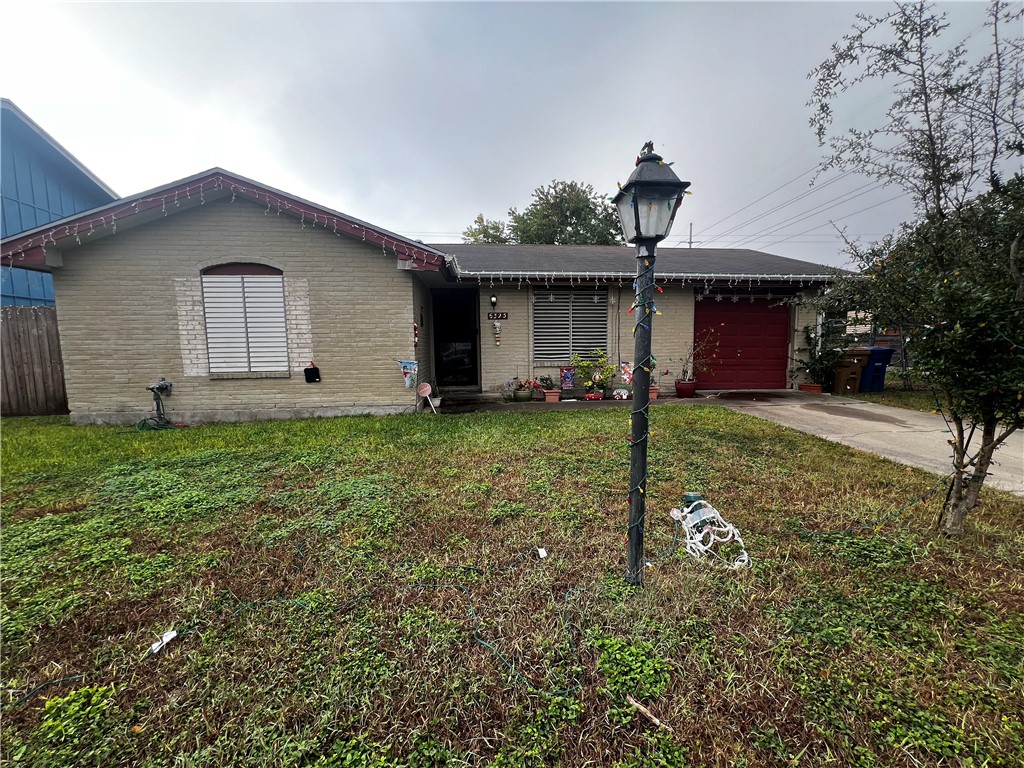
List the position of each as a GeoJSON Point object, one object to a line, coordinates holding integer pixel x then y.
{"type": "Point", "coordinates": [905, 436]}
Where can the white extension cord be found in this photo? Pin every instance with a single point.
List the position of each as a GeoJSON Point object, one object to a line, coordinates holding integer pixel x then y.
{"type": "Point", "coordinates": [706, 532]}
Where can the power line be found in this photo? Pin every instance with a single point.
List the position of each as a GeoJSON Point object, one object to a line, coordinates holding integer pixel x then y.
{"type": "Point", "coordinates": [762, 197]}
{"type": "Point", "coordinates": [868, 208]}
{"type": "Point", "coordinates": [787, 203]}
{"type": "Point", "coordinates": [828, 205]}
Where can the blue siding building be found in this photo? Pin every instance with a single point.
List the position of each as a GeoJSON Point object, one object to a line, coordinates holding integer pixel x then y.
{"type": "Point", "coordinates": [40, 182]}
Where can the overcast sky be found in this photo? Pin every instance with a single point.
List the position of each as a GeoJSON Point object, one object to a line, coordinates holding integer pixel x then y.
{"type": "Point", "coordinates": [418, 116]}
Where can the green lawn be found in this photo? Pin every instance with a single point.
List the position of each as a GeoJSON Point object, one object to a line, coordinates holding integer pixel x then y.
{"type": "Point", "coordinates": [361, 592]}
{"type": "Point", "coordinates": [912, 399]}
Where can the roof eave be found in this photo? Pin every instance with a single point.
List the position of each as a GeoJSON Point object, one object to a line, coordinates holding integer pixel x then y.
{"type": "Point", "coordinates": [217, 180]}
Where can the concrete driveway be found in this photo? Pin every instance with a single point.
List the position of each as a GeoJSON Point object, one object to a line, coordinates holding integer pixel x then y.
{"type": "Point", "coordinates": [907, 437]}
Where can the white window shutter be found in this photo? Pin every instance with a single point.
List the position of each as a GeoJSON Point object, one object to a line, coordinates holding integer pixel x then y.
{"type": "Point", "coordinates": [589, 322]}
{"type": "Point", "coordinates": [264, 313]}
{"type": "Point", "coordinates": [245, 323]}
{"type": "Point", "coordinates": [551, 325]}
{"type": "Point", "coordinates": [567, 321]}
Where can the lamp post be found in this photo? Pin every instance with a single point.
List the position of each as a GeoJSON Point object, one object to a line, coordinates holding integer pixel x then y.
{"type": "Point", "coordinates": [647, 206]}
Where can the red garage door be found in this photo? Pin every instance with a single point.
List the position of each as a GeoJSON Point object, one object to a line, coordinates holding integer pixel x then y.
{"type": "Point", "coordinates": [753, 343]}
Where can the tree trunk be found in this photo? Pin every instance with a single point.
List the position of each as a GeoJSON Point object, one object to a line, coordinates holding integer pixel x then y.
{"type": "Point", "coordinates": [967, 483]}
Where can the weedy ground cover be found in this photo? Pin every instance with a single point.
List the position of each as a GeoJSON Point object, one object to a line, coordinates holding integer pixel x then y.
{"type": "Point", "coordinates": [361, 592]}
{"type": "Point", "coordinates": [911, 399]}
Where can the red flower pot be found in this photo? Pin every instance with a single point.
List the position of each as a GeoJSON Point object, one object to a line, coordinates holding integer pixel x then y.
{"type": "Point", "coordinates": [686, 388]}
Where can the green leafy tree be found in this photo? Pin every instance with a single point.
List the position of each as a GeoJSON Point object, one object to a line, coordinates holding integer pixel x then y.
{"type": "Point", "coordinates": [562, 213]}
{"type": "Point", "coordinates": [486, 231]}
{"type": "Point", "coordinates": [566, 213]}
{"type": "Point", "coordinates": [952, 279]}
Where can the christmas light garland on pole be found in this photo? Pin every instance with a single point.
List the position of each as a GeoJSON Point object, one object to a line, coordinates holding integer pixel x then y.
{"type": "Point", "coordinates": [647, 206]}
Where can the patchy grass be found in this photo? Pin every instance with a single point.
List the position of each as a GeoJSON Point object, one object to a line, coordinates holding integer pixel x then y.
{"type": "Point", "coordinates": [363, 592]}
{"type": "Point", "coordinates": [912, 399]}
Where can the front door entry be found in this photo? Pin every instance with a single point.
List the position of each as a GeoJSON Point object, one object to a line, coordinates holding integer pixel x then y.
{"type": "Point", "coordinates": [456, 334]}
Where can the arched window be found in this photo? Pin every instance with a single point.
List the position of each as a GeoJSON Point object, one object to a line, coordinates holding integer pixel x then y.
{"type": "Point", "coordinates": [245, 318]}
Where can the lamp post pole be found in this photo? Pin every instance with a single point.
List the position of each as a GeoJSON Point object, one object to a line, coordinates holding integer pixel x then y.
{"type": "Point", "coordinates": [642, 367]}
{"type": "Point", "coordinates": [647, 206]}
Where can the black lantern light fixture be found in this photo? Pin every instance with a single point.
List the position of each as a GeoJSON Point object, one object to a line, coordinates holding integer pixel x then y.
{"type": "Point", "coordinates": [494, 301]}
{"type": "Point", "coordinates": [647, 206]}
{"type": "Point", "coordinates": [648, 202]}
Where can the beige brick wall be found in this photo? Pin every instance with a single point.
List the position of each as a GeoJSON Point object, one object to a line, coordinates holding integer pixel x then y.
{"type": "Point", "coordinates": [671, 332]}
{"type": "Point", "coordinates": [499, 364]}
{"type": "Point", "coordinates": [125, 302]}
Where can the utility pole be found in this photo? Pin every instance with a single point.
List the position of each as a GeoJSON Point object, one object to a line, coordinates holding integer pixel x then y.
{"type": "Point", "coordinates": [691, 241]}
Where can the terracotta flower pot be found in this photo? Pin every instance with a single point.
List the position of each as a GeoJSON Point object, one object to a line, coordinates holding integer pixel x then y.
{"type": "Point", "coordinates": [686, 388]}
{"type": "Point", "coordinates": [653, 391]}
{"type": "Point", "coordinates": [814, 388]}
{"type": "Point", "coordinates": [552, 395]}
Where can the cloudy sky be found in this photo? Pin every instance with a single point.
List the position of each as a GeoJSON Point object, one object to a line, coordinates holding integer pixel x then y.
{"type": "Point", "coordinates": [419, 116]}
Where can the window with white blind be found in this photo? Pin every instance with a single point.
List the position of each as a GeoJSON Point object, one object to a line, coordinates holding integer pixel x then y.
{"type": "Point", "coordinates": [567, 321]}
{"type": "Point", "coordinates": [245, 319]}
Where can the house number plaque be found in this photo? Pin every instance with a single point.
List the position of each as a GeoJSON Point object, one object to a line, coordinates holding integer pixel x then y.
{"type": "Point", "coordinates": [497, 315]}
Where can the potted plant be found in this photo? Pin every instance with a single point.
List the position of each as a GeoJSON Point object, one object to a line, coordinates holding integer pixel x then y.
{"type": "Point", "coordinates": [655, 388]}
{"type": "Point", "coordinates": [551, 390]}
{"type": "Point", "coordinates": [595, 371]}
{"type": "Point", "coordinates": [522, 390]}
{"type": "Point", "coordinates": [698, 357]}
{"type": "Point", "coordinates": [818, 357]}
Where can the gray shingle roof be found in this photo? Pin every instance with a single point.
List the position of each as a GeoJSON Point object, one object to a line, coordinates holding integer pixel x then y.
{"type": "Point", "coordinates": [471, 260]}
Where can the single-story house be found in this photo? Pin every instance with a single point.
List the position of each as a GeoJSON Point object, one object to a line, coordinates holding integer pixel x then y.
{"type": "Point", "coordinates": [231, 289]}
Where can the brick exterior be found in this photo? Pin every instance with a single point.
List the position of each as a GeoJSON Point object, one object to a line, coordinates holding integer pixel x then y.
{"type": "Point", "coordinates": [673, 330]}
{"type": "Point", "coordinates": [500, 364]}
{"type": "Point", "coordinates": [515, 355]}
{"type": "Point", "coordinates": [130, 311]}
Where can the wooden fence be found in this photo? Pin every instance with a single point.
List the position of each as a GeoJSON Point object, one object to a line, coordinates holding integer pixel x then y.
{"type": "Point", "coordinates": [30, 362]}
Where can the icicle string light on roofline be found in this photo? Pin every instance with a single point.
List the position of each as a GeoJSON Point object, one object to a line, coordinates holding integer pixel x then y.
{"type": "Point", "coordinates": [75, 228]}
{"type": "Point", "coordinates": [665, 277]}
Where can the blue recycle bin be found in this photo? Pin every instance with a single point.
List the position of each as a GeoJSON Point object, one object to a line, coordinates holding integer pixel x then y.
{"type": "Point", "coordinates": [873, 378]}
